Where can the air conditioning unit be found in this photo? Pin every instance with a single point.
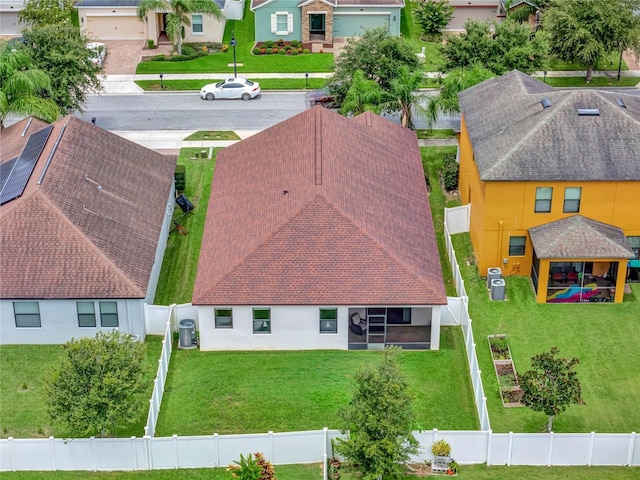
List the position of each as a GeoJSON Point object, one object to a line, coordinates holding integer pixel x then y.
{"type": "Point", "coordinates": [187, 331]}
{"type": "Point", "coordinates": [498, 287]}
{"type": "Point", "coordinates": [493, 273]}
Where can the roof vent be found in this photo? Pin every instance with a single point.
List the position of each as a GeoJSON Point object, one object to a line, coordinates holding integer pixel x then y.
{"type": "Point", "coordinates": [620, 102]}
{"type": "Point", "coordinates": [546, 103]}
{"type": "Point", "coordinates": [588, 112]}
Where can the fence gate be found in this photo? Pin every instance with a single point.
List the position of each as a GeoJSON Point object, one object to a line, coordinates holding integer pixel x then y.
{"type": "Point", "coordinates": [458, 218]}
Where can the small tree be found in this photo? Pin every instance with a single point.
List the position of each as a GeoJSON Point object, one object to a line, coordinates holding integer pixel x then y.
{"type": "Point", "coordinates": [98, 383]}
{"type": "Point", "coordinates": [433, 15]}
{"type": "Point", "coordinates": [378, 419]}
{"type": "Point", "coordinates": [551, 385]}
{"type": "Point", "coordinates": [38, 13]}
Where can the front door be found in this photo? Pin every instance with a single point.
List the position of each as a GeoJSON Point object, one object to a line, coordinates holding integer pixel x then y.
{"type": "Point", "coordinates": [316, 26]}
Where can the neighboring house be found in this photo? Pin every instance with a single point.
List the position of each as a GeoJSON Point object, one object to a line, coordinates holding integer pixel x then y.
{"type": "Point", "coordinates": [9, 23]}
{"type": "Point", "coordinates": [481, 10]}
{"type": "Point", "coordinates": [553, 179]}
{"type": "Point", "coordinates": [84, 220]}
{"type": "Point", "coordinates": [118, 20]}
{"type": "Point", "coordinates": [319, 236]}
{"type": "Point", "coordinates": [323, 21]}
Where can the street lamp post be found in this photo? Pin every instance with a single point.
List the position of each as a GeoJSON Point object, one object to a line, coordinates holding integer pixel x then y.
{"type": "Point", "coordinates": [161, 84]}
{"type": "Point", "coordinates": [620, 64]}
{"type": "Point", "coordinates": [233, 44]}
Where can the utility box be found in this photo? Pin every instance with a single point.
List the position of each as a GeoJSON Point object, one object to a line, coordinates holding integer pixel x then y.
{"type": "Point", "coordinates": [493, 273]}
{"type": "Point", "coordinates": [498, 287]}
{"type": "Point", "coordinates": [187, 331]}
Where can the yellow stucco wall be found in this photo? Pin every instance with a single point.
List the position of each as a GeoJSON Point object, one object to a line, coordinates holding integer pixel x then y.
{"type": "Point", "coordinates": [504, 209]}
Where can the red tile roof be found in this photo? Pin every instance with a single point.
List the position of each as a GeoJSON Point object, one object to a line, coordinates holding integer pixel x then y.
{"type": "Point", "coordinates": [91, 229]}
{"type": "Point", "coordinates": [320, 209]}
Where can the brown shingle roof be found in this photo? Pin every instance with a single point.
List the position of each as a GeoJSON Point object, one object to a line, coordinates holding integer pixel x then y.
{"type": "Point", "coordinates": [14, 137]}
{"type": "Point", "coordinates": [320, 209]}
{"type": "Point", "coordinates": [579, 237]}
{"type": "Point", "coordinates": [91, 229]}
{"type": "Point", "coordinates": [515, 138]}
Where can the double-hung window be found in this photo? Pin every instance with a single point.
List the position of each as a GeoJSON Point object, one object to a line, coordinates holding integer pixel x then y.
{"type": "Point", "coordinates": [517, 246]}
{"type": "Point", "coordinates": [196, 24]}
{"type": "Point", "coordinates": [572, 199]}
{"type": "Point", "coordinates": [543, 199]}
{"type": "Point", "coordinates": [328, 320]}
{"type": "Point", "coordinates": [109, 314]}
{"type": "Point", "coordinates": [86, 314]}
{"type": "Point", "coordinates": [261, 320]}
{"type": "Point", "coordinates": [282, 23]}
{"type": "Point", "coordinates": [224, 318]}
{"type": "Point", "coordinates": [27, 314]}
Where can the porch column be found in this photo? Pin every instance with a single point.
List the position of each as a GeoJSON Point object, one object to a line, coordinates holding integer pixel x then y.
{"type": "Point", "coordinates": [620, 281]}
{"type": "Point", "coordinates": [543, 280]}
{"type": "Point", "coordinates": [435, 327]}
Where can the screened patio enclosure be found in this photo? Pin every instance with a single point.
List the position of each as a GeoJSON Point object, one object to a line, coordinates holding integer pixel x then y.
{"type": "Point", "coordinates": [577, 259]}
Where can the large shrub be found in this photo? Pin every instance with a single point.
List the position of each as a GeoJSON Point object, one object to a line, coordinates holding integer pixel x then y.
{"type": "Point", "coordinates": [450, 169]}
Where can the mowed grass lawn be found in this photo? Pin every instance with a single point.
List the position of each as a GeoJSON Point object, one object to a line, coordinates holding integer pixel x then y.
{"type": "Point", "coordinates": [251, 392]}
{"type": "Point", "coordinates": [314, 472]}
{"type": "Point", "coordinates": [604, 336]}
{"type": "Point", "coordinates": [23, 401]}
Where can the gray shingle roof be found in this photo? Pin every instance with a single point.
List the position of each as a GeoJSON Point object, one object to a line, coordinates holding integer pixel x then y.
{"type": "Point", "coordinates": [515, 138]}
{"type": "Point", "coordinates": [107, 3]}
{"type": "Point", "coordinates": [579, 237]}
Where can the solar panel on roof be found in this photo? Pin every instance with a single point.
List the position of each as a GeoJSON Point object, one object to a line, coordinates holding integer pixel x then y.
{"type": "Point", "coordinates": [24, 165]}
{"type": "Point", "coordinates": [5, 171]}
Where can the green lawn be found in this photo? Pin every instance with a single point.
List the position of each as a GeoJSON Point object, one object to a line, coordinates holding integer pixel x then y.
{"type": "Point", "coordinates": [222, 62]}
{"type": "Point", "coordinates": [605, 337]}
{"type": "Point", "coordinates": [411, 31]}
{"type": "Point", "coordinates": [234, 392]}
{"type": "Point", "coordinates": [213, 135]}
{"type": "Point", "coordinates": [436, 133]}
{"type": "Point", "coordinates": [595, 81]}
{"type": "Point", "coordinates": [314, 472]}
{"type": "Point", "coordinates": [23, 409]}
{"type": "Point", "coordinates": [610, 62]}
{"type": "Point", "coordinates": [180, 262]}
{"type": "Point", "coordinates": [265, 84]}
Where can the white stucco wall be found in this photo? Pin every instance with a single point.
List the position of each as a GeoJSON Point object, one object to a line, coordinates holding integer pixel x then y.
{"type": "Point", "coordinates": [293, 328]}
{"type": "Point", "coordinates": [59, 321]}
{"type": "Point", "coordinates": [162, 245]}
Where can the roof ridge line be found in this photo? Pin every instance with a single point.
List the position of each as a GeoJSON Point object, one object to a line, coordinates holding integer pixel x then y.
{"type": "Point", "coordinates": [526, 137]}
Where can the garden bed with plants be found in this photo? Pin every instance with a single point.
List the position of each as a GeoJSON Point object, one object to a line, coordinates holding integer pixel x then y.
{"type": "Point", "coordinates": [280, 47]}
{"type": "Point", "coordinates": [510, 391]}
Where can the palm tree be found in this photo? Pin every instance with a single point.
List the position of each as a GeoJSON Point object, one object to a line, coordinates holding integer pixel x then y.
{"type": "Point", "coordinates": [21, 87]}
{"type": "Point", "coordinates": [454, 82]}
{"type": "Point", "coordinates": [401, 95]}
{"type": "Point", "coordinates": [178, 14]}
{"type": "Point", "coordinates": [363, 96]}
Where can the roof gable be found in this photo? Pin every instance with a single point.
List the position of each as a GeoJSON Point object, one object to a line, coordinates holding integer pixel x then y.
{"type": "Point", "coordinates": [366, 171]}
{"type": "Point", "coordinates": [514, 137]}
{"type": "Point", "coordinates": [579, 237]}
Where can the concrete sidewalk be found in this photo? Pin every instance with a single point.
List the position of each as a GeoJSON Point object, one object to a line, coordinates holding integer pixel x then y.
{"type": "Point", "coordinates": [124, 84]}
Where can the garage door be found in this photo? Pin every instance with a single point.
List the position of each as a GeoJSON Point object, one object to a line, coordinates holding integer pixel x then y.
{"type": "Point", "coordinates": [115, 28]}
{"type": "Point", "coordinates": [9, 23]}
{"type": "Point", "coordinates": [354, 25]}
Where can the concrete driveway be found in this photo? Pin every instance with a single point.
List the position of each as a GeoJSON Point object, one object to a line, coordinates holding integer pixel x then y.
{"type": "Point", "coordinates": [123, 56]}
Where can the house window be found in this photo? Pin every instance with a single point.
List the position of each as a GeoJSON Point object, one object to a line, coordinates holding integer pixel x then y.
{"type": "Point", "coordinates": [196, 24]}
{"type": "Point", "coordinates": [261, 320]}
{"type": "Point", "coordinates": [27, 314]}
{"type": "Point", "coordinates": [282, 23]}
{"type": "Point", "coordinates": [108, 314]}
{"type": "Point", "coordinates": [543, 199]}
{"type": "Point", "coordinates": [224, 318]}
{"type": "Point", "coordinates": [572, 199]}
{"type": "Point", "coordinates": [86, 314]}
{"type": "Point", "coordinates": [328, 320]}
{"type": "Point", "coordinates": [516, 246]}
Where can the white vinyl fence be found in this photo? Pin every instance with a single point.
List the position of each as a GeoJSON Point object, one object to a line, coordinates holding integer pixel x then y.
{"type": "Point", "coordinates": [155, 317]}
{"type": "Point", "coordinates": [460, 307]}
{"type": "Point", "coordinates": [467, 447]}
{"type": "Point", "coordinates": [161, 378]}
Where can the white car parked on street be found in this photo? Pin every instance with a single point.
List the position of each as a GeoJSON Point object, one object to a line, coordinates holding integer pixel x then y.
{"type": "Point", "coordinates": [231, 88]}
